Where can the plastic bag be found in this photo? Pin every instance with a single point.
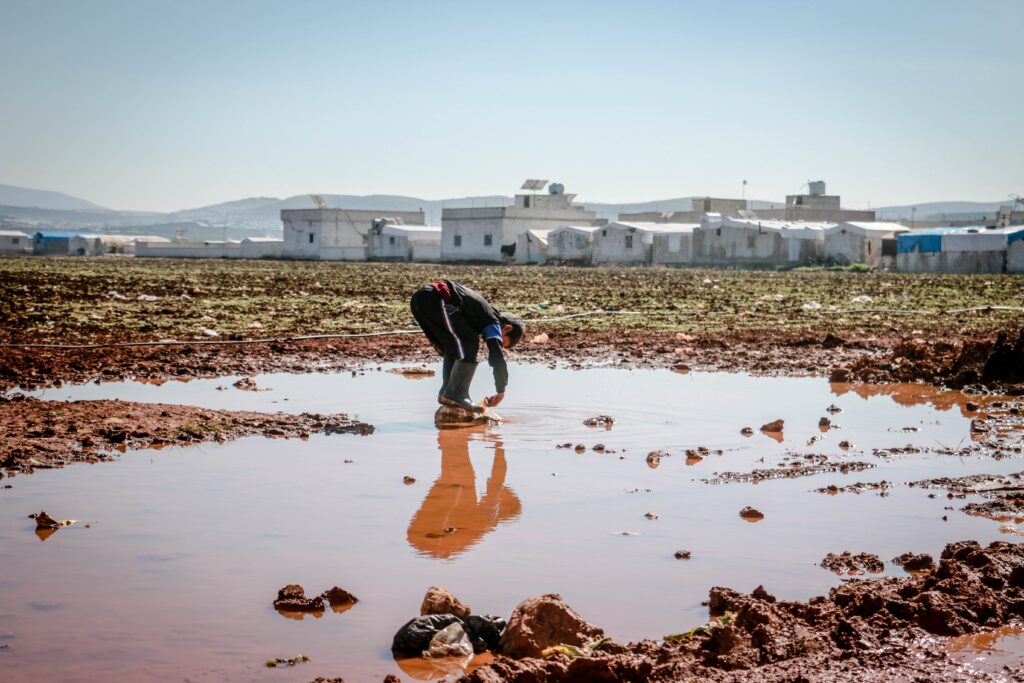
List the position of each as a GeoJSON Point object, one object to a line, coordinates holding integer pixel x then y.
{"type": "Point", "coordinates": [451, 641]}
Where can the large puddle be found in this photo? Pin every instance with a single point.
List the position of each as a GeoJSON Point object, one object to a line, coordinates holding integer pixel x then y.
{"type": "Point", "coordinates": [186, 547]}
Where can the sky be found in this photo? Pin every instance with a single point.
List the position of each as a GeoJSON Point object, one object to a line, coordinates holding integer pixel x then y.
{"type": "Point", "coordinates": [162, 106]}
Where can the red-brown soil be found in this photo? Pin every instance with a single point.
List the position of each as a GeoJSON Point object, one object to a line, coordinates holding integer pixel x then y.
{"type": "Point", "coordinates": [953, 362]}
{"type": "Point", "coordinates": [864, 630]}
{"type": "Point", "coordinates": [43, 434]}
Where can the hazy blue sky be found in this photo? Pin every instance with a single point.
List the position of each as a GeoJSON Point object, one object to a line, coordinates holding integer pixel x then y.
{"type": "Point", "coordinates": [168, 105]}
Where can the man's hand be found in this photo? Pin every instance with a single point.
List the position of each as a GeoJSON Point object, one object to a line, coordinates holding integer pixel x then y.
{"type": "Point", "coordinates": [492, 401]}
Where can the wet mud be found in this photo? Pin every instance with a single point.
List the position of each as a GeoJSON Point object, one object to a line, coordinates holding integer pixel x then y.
{"type": "Point", "coordinates": [851, 565]}
{"type": "Point", "coordinates": [957, 363]}
{"type": "Point", "coordinates": [46, 434]}
{"type": "Point", "coordinates": [953, 363]}
{"type": "Point", "coordinates": [871, 629]}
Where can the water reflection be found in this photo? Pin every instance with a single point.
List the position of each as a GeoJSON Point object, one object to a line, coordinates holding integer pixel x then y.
{"type": "Point", "coordinates": [451, 518]}
{"type": "Point", "coordinates": [910, 395]}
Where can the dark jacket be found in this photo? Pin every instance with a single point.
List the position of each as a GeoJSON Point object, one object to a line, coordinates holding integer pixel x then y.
{"type": "Point", "coordinates": [486, 321]}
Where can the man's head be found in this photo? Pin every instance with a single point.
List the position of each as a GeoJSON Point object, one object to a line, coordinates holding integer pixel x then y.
{"type": "Point", "coordinates": [512, 331]}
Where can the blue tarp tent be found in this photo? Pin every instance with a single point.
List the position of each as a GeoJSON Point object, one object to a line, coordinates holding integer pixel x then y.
{"type": "Point", "coordinates": [924, 241]}
{"type": "Point", "coordinates": [52, 242]}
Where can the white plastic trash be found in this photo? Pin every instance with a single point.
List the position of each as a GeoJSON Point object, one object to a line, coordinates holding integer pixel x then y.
{"type": "Point", "coordinates": [450, 641]}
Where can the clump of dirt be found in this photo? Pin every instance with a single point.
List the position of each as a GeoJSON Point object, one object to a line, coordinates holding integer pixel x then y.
{"type": "Point", "coordinates": [872, 629]}
{"type": "Point", "coordinates": [791, 472]}
{"type": "Point", "coordinates": [339, 597]}
{"type": "Point", "coordinates": [881, 486]}
{"type": "Point", "coordinates": [775, 426]}
{"type": "Point", "coordinates": [751, 514]}
{"type": "Point", "coordinates": [247, 384]}
{"type": "Point", "coordinates": [440, 601]}
{"type": "Point", "coordinates": [850, 564]}
{"type": "Point", "coordinates": [913, 562]}
{"type": "Point", "coordinates": [542, 622]}
{"type": "Point", "coordinates": [605, 421]}
{"type": "Point", "coordinates": [292, 598]}
{"type": "Point", "coordinates": [43, 434]}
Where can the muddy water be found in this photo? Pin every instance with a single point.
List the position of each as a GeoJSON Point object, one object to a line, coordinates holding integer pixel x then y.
{"type": "Point", "coordinates": [187, 547]}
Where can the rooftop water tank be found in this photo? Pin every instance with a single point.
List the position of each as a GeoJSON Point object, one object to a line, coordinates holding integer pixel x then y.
{"type": "Point", "coordinates": [556, 188]}
{"type": "Point", "coordinates": [816, 187]}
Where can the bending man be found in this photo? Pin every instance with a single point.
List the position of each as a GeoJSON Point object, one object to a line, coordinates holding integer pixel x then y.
{"type": "Point", "coordinates": [454, 318]}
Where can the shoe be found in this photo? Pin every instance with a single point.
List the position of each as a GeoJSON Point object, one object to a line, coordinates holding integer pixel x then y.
{"type": "Point", "coordinates": [456, 393]}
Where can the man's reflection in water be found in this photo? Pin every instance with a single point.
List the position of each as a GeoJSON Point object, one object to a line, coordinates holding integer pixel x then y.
{"type": "Point", "coordinates": [451, 519]}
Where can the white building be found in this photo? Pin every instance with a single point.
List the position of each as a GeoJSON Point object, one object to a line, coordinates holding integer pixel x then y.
{"type": "Point", "coordinates": [104, 245]}
{"type": "Point", "coordinates": [391, 242]}
{"type": "Point", "coordinates": [262, 247]}
{"type": "Point", "coordinates": [572, 243]}
{"type": "Point", "coordinates": [492, 233]}
{"type": "Point", "coordinates": [532, 246]}
{"type": "Point", "coordinates": [621, 242]}
{"type": "Point", "coordinates": [208, 249]}
{"type": "Point", "coordinates": [739, 242]}
{"type": "Point", "coordinates": [15, 242]}
{"type": "Point", "coordinates": [859, 242]}
{"type": "Point", "coordinates": [336, 234]}
{"type": "Point", "coordinates": [673, 246]}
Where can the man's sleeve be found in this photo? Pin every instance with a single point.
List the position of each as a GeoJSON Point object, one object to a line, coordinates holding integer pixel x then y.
{"type": "Point", "coordinates": [496, 359]}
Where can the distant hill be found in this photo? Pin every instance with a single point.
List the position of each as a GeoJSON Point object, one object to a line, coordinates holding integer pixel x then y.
{"type": "Point", "coordinates": [43, 199]}
{"type": "Point", "coordinates": [36, 209]}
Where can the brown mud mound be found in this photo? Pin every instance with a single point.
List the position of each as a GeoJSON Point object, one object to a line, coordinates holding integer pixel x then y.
{"type": "Point", "coordinates": [441, 601]}
{"type": "Point", "coordinates": [292, 598]}
{"type": "Point", "coordinates": [957, 364]}
{"type": "Point", "coordinates": [848, 563]}
{"type": "Point", "coordinates": [542, 622]}
{"type": "Point", "coordinates": [867, 630]}
{"type": "Point", "coordinates": [912, 562]}
{"type": "Point", "coordinates": [41, 434]}
{"type": "Point", "coordinates": [791, 472]}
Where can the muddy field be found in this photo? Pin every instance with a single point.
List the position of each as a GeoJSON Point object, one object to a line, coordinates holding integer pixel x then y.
{"type": "Point", "coordinates": [772, 464]}
{"type": "Point", "coordinates": [852, 326]}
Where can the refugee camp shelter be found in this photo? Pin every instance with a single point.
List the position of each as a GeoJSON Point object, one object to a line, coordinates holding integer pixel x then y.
{"type": "Point", "coordinates": [673, 246]}
{"type": "Point", "coordinates": [103, 245]}
{"type": "Point", "coordinates": [572, 243]}
{"type": "Point", "coordinates": [262, 247]}
{"type": "Point", "coordinates": [963, 250]}
{"type": "Point", "coordinates": [621, 242]}
{"type": "Point", "coordinates": [14, 242]}
{"type": "Point", "coordinates": [207, 249]}
{"type": "Point", "coordinates": [740, 242]}
{"type": "Point", "coordinates": [393, 242]}
{"type": "Point", "coordinates": [532, 246]}
{"type": "Point", "coordinates": [492, 233]}
{"type": "Point", "coordinates": [859, 241]}
{"type": "Point", "coordinates": [52, 242]}
{"type": "Point", "coordinates": [336, 234]}
{"type": "Point", "coordinates": [1015, 251]}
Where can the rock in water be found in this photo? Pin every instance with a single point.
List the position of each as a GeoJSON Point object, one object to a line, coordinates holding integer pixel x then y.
{"type": "Point", "coordinates": [292, 598]}
{"type": "Point", "coordinates": [448, 417]}
{"type": "Point", "coordinates": [440, 601]}
{"type": "Point", "coordinates": [542, 622]}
